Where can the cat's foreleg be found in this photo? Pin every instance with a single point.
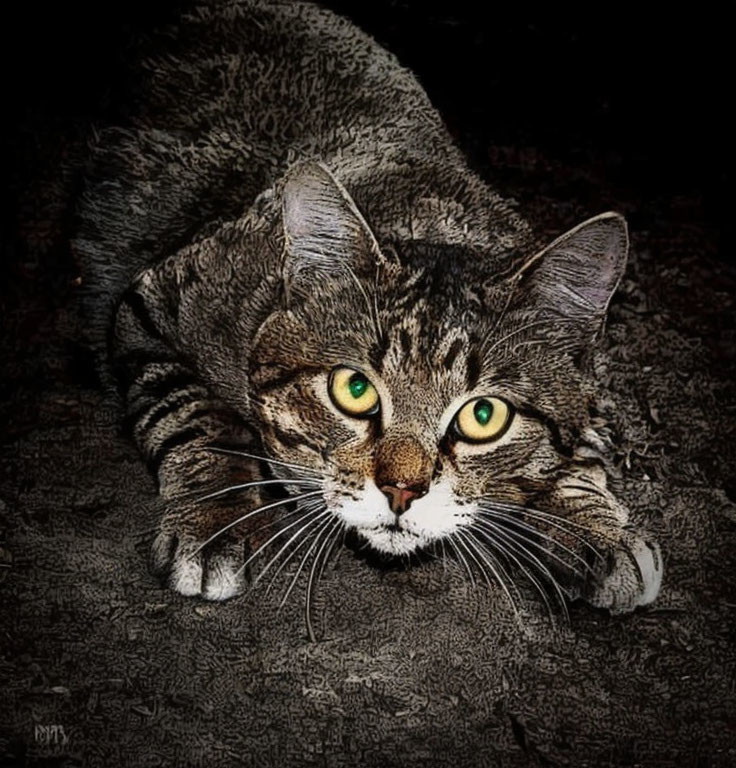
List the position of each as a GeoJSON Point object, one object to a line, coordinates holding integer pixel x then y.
{"type": "Point", "coordinates": [174, 419]}
{"type": "Point", "coordinates": [624, 564]}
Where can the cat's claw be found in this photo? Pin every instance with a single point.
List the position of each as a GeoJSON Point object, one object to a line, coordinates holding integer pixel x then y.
{"type": "Point", "coordinates": [633, 578]}
{"type": "Point", "coordinates": [213, 575]}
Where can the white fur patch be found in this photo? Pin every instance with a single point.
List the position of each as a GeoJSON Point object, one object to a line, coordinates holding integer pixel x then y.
{"type": "Point", "coordinates": [186, 571]}
{"type": "Point", "coordinates": [214, 577]}
{"type": "Point", "coordinates": [649, 558]}
{"type": "Point", "coordinates": [428, 519]}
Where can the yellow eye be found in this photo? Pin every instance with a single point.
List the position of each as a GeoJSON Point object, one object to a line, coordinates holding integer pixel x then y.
{"type": "Point", "coordinates": [352, 392]}
{"type": "Point", "coordinates": [482, 419]}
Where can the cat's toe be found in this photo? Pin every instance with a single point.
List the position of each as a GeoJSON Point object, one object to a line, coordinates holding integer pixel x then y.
{"type": "Point", "coordinates": [649, 559]}
{"type": "Point", "coordinates": [214, 574]}
{"type": "Point", "coordinates": [187, 570]}
{"type": "Point", "coordinates": [632, 579]}
{"type": "Point", "coordinates": [224, 575]}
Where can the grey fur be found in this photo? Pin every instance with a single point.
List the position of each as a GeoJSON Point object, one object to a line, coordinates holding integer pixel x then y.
{"type": "Point", "coordinates": [286, 201]}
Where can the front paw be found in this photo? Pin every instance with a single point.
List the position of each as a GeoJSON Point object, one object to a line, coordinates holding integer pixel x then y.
{"type": "Point", "coordinates": [631, 577]}
{"type": "Point", "coordinates": [214, 571]}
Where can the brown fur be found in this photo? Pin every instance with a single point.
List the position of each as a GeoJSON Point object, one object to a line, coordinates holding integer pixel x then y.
{"type": "Point", "coordinates": [308, 210]}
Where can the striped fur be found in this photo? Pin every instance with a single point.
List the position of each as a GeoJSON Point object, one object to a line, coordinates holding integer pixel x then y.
{"type": "Point", "coordinates": [283, 201]}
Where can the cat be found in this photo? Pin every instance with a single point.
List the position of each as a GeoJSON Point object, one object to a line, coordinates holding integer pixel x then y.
{"type": "Point", "coordinates": [307, 297]}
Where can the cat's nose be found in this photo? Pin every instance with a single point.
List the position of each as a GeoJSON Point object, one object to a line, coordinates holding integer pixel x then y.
{"type": "Point", "coordinates": [400, 499]}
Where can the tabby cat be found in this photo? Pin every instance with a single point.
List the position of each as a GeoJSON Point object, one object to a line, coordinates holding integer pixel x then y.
{"type": "Point", "coordinates": [322, 320]}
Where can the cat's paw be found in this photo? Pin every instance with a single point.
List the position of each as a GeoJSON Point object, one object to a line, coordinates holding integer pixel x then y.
{"type": "Point", "coordinates": [214, 572]}
{"type": "Point", "coordinates": [630, 578]}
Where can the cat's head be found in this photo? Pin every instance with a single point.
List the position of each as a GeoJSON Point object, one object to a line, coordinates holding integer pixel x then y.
{"type": "Point", "coordinates": [416, 378]}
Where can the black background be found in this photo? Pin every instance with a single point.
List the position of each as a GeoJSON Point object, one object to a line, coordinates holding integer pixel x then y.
{"type": "Point", "coordinates": [637, 104]}
{"type": "Point", "coordinates": [647, 95]}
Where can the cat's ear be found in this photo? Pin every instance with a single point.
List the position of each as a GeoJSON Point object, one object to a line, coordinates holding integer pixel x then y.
{"type": "Point", "coordinates": [324, 231]}
{"type": "Point", "coordinates": [575, 276]}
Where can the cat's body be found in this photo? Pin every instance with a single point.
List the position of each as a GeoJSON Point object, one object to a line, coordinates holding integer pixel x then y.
{"type": "Point", "coordinates": [285, 235]}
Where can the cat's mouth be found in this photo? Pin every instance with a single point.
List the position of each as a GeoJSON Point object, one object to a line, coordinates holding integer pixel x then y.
{"type": "Point", "coordinates": [392, 538]}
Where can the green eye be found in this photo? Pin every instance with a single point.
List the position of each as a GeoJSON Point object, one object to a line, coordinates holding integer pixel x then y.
{"type": "Point", "coordinates": [353, 393]}
{"type": "Point", "coordinates": [483, 419]}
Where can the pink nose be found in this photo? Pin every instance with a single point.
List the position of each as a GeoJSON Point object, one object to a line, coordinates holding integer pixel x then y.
{"type": "Point", "coordinates": [400, 499]}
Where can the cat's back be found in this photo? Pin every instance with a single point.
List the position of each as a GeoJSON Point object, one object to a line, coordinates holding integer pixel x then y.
{"type": "Point", "coordinates": [224, 99]}
{"type": "Point", "coordinates": [283, 76]}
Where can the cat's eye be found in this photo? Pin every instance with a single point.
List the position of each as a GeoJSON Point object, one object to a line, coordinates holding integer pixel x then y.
{"type": "Point", "coordinates": [352, 392]}
{"type": "Point", "coordinates": [482, 419]}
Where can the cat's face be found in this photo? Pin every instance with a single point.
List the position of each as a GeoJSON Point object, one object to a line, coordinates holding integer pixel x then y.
{"type": "Point", "coordinates": [419, 387]}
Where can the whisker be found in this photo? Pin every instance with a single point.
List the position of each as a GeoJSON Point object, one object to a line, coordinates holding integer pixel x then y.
{"type": "Point", "coordinates": [305, 539]}
{"type": "Point", "coordinates": [341, 547]}
{"type": "Point", "coordinates": [463, 543]}
{"type": "Point", "coordinates": [302, 563]}
{"type": "Point", "coordinates": [339, 529]}
{"type": "Point", "coordinates": [240, 519]}
{"type": "Point", "coordinates": [453, 544]}
{"type": "Point", "coordinates": [488, 536]}
{"type": "Point", "coordinates": [470, 543]}
{"type": "Point", "coordinates": [281, 518]}
{"type": "Point", "coordinates": [522, 510]}
{"type": "Point", "coordinates": [295, 536]}
{"type": "Point", "coordinates": [237, 452]}
{"type": "Point", "coordinates": [256, 483]}
{"type": "Point", "coordinates": [530, 556]}
{"type": "Point", "coordinates": [510, 520]}
{"type": "Point", "coordinates": [286, 560]}
{"type": "Point", "coordinates": [310, 581]}
{"type": "Point", "coordinates": [556, 521]}
{"type": "Point", "coordinates": [443, 555]}
{"type": "Point", "coordinates": [524, 540]}
{"type": "Point", "coordinates": [276, 535]}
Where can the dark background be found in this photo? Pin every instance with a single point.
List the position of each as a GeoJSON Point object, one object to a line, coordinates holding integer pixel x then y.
{"type": "Point", "coordinates": [643, 98]}
{"type": "Point", "coordinates": [571, 116]}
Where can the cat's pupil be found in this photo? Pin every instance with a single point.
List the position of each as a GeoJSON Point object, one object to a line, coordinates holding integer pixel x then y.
{"type": "Point", "coordinates": [483, 411]}
{"type": "Point", "coordinates": [357, 385]}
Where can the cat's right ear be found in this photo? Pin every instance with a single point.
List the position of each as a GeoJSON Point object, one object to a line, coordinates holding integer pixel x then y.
{"type": "Point", "coordinates": [324, 231]}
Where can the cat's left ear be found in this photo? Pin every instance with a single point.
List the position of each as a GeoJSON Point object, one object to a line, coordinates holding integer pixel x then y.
{"type": "Point", "coordinates": [325, 232]}
{"type": "Point", "coordinates": [575, 276]}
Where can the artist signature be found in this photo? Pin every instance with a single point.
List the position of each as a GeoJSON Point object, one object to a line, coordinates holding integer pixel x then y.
{"type": "Point", "coordinates": [51, 736]}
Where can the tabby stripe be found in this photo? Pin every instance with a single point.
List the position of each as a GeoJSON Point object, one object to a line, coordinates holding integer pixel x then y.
{"type": "Point", "coordinates": [150, 396]}
{"type": "Point", "coordinates": [552, 426]}
{"type": "Point", "coordinates": [474, 366]}
{"type": "Point", "coordinates": [452, 354]}
{"type": "Point", "coordinates": [589, 461]}
{"type": "Point", "coordinates": [280, 381]}
{"type": "Point", "coordinates": [175, 440]}
{"type": "Point", "coordinates": [294, 439]}
{"type": "Point", "coordinates": [584, 488]}
{"type": "Point", "coordinates": [174, 422]}
{"type": "Point", "coordinates": [128, 367]}
{"type": "Point", "coordinates": [148, 418]}
{"type": "Point", "coordinates": [161, 384]}
{"type": "Point", "coordinates": [137, 304]}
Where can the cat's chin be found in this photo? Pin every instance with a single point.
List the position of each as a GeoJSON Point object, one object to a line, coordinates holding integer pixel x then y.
{"type": "Point", "coordinates": [392, 541]}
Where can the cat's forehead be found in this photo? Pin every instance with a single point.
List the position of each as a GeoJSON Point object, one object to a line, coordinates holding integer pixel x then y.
{"type": "Point", "coordinates": [445, 274]}
{"type": "Point", "coordinates": [423, 350]}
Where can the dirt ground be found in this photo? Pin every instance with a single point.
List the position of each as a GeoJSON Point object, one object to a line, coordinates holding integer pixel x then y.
{"type": "Point", "coordinates": [100, 666]}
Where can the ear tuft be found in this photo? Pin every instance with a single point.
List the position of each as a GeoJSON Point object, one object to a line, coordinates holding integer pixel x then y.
{"type": "Point", "coordinates": [576, 275]}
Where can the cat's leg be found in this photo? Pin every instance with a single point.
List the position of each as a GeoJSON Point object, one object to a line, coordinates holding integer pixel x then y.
{"type": "Point", "coordinates": [174, 419]}
{"type": "Point", "coordinates": [625, 564]}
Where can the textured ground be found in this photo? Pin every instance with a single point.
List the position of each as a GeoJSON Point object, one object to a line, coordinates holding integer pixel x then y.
{"type": "Point", "coordinates": [411, 667]}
